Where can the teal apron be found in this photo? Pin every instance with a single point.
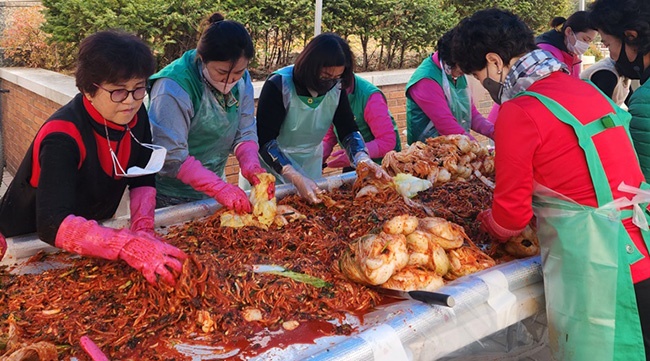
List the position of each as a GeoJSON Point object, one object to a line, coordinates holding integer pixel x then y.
{"type": "Point", "coordinates": [586, 253]}
{"type": "Point", "coordinates": [304, 127]}
{"type": "Point", "coordinates": [210, 140]}
{"type": "Point", "coordinates": [418, 125]}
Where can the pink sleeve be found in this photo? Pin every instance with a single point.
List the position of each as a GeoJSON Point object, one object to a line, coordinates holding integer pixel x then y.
{"type": "Point", "coordinates": [480, 124]}
{"type": "Point", "coordinates": [429, 96]}
{"type": "Point", "coordinates": [329, 142]}
{"type": "Point", "coordinates": [380, 124]}
{"type": "Point", "coordinates": [557, 53]}
{"type": "Point", "coordinates": [494, 113]}
{"type": "Point", "coordinates": [570, 60]}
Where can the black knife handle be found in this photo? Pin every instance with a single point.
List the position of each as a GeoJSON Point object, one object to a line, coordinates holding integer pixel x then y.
{"type": "Point", "coordinates": [433, 298]}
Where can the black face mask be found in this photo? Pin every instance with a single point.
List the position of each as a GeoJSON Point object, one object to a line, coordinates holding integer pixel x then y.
{"type": "Point", "coordinates": [325, 85]}
{"type": "Point", "coordinates": [627, 68]}
{"type": "Point", "coordinates": [495, 88]}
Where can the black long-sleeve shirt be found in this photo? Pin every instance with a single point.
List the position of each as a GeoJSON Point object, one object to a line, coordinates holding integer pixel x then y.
{"type": "Point", "coordinates": [271, 112]}
{"type": "Point", "coordinates": [68, 170]}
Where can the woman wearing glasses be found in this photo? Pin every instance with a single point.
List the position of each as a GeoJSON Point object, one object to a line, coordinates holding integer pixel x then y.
{"type": "Point", "coordinates": [297, 106]}
{"type": "Point", "coordinates": [375, 122]}
{"type": "Point", "coordinates": [201, 110]}
{"type": "Point", "coordinates": [86, 154]}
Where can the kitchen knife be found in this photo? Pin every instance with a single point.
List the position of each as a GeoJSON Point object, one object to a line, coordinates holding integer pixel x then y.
{"type": "Point", "coordinates": [431, 298]}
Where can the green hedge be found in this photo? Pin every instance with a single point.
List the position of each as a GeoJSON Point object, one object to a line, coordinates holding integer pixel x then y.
{"type": "Point", "coordinates": [384, 33]}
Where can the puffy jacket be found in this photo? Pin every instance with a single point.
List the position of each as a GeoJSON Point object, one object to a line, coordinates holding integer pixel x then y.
{"type": "Point", "coordinates": [639, 107]}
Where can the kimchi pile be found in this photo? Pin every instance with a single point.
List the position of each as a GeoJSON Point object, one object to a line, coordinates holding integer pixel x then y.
{"type": "Point", "coordinates": [218, 290]}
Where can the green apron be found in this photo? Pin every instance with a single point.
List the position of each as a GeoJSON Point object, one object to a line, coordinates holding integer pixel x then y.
{"type": "Point", "coordinates": [590, 300]}
{"type": "Point", "coordinates": [213, 127]}
{"type": "Point", "coordinates": [418, 125]}
{"type": "Point", "coordinates": [363, 89]}
{"type": "Point", "coordinates": [304, 127]}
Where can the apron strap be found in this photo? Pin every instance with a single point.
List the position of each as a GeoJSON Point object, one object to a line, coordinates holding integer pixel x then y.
{"type": "Point", "coordinates": [585, 133]}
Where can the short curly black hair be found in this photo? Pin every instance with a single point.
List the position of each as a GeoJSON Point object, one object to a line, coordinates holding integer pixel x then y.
{"type": "Point", "coordinates": [490, 31]}
{"type": "Point", "coordinates": [112, 56]}
{"type": "Point", "coordinates": [444, 47]}
{"type": "Point", "coordinates": [614, 17]}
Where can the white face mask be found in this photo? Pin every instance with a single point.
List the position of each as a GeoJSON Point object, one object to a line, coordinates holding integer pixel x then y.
{"type": "Point", "coordinates": [579, 48]}
{"type": "Point", "coordinates": [220, 86]}
{"type": "Point", "coordinates": [155, 164]}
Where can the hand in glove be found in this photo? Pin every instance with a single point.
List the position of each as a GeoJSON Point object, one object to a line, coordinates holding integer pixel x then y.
{"type": "Point", "coordinates": [152, 257]}
{"type": "Point", "coordinates": [192, 172]}
{"type": "Point", "coordinates": [148, 255]}
{"type": "Point", "coordinates": [339, 159]}
{"type": "Point", "coordinates": [489, 225]}
{"type": "Point", "coordinates": [306, 187]}
{"type": "Point", "coordinates": [249, 164]}
{"type": "Point", "coordinates": [379, 172]}
{"type": "Point", "coordinates": [142, 204]}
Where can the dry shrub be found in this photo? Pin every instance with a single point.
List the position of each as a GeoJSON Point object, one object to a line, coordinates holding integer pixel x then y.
{"type": "Point", "coordinates": [25, 43]}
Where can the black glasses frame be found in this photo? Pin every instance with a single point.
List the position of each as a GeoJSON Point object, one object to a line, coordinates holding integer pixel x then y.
{"type": "Point", "coordinates": [120, 95]}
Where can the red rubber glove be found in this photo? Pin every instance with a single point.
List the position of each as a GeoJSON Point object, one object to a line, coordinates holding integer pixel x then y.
{"type": "Point", "coordinates": [249, 164]}
{"type": "Point", "coordinates": [3, 246]}
{"type": "Point", "coordinates": [339, 159]}
{"type": "Point", "coordinates": [192, 172]}
{"type": "Point", "coordinates": [148, 255]}
{"type": "Point", "coordinates": [489, 225]}
{"type": "Point", "coordinates": [142, 204]}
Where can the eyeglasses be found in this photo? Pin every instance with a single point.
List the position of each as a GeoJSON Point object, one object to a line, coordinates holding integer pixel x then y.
{"type": "Point", "coordinates": [120, 95]}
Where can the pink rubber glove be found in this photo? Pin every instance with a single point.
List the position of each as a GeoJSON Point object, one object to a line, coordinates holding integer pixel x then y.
{"type": "Point", "coordinates": [192, 172]}
{"type": "Point", "coordinates": [339, 159]}
{"type": "Point", "coordinates": [142, 204]}
{"type": "Point", "coordinates": [3, 246]}
{"type": "Point", "coordinates": [249, 164]}
{"type": "Point", "coordinates": [92, 349]}
{"type": "Point", "coordinates": [489, 225]}
{"type": "Point", "coordinates": [148, 255]}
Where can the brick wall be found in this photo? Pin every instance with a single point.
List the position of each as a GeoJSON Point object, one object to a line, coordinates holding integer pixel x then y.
{"type": "Point", "coordinates": [24, 111]}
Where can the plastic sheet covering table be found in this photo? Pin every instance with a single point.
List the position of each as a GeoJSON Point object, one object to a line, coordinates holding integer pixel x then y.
{"type": "Point", "coordinates": [500, 299]}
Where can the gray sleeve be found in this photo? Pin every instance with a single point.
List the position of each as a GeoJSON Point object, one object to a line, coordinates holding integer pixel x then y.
{"type": "Point", "coordinates": [247, 124]}
{"type": "Point", "coordinates": [170, 113]}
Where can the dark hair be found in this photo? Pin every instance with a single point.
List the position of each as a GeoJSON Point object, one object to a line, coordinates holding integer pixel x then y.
{"type": "Point", "coordinates": [557, 21]}
{"type": "Point", "coordinates": [617, 16]}
{"type": "Point", "coordinates": [444, 47]}
{"type": "Point", "coordinates": [490, 31]}
{"type": "Point", "coordinates": [325, 50]}
{"type": "Point", "coordinates": [578, 22]}
{"type": "Point", "coordinates": [112, 56]}
{"type": "Point", "coordinates": [224, 40]}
